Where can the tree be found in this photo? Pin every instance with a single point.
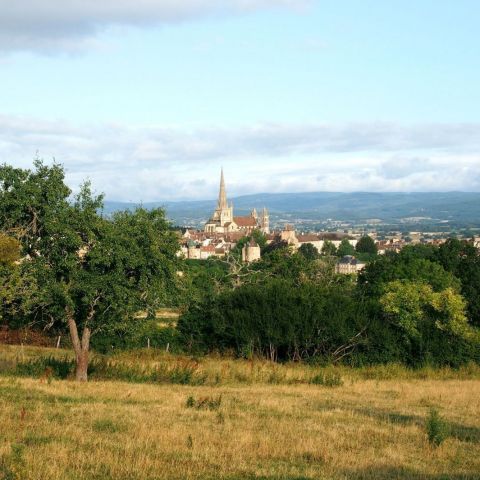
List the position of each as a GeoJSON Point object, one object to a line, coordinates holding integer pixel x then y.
{"type": "Point", "coordinates": [345, 248]}
{"type": "Point", "coordinates": [309, 251]}
{"type": "Point", "coordinates": [329, 248]}
{"type": "Point", "coordinates": [366, 245]}
{"type": "Point", "coordinates": [16, 288]}
{"type": "Point", "coordinates": [92, 272]}
{"type": "Point", "coordinates": [9, 250]}
{"type": "Point", "coordinates": [462, 259]}
{"type": "Point", "coordinates": [279, 321]}
{"type": "Point", "coordinates": [387, 268]}
{"type": "Point", "coordinates": [432, 322]}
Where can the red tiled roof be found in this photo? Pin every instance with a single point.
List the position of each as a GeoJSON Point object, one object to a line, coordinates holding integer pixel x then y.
{"type": "Point", "coordinates": [307, 238]}
{"type": "Point", "coordinates": [245, 221]}
{"type": "Point", "coordinates": [234, 236]}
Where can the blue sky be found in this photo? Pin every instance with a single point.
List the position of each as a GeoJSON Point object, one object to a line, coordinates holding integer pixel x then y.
{"type": "Point", "coordinates": [148, 98]}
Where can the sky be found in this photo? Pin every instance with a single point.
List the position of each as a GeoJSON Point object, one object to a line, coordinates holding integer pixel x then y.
{"type": "Point", "coordinates": [148, 99]}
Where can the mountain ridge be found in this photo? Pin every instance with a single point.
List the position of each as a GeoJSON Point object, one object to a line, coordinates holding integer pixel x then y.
{"type": "Point", "coordinates": [352, 206]}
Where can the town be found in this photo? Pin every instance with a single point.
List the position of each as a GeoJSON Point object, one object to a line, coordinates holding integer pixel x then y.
{"type": "Point", "coordinates": [223, 231]}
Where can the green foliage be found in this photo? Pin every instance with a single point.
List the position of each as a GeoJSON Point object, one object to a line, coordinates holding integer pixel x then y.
{"type": "Point", "coordinates": [345, 248]}
{"type": "Point", "coordinates": [257, 235]}
{"type": "Point", "coordinates": [280, 321]}
{"type": "Point", "coordinates": [366, 245]}
{"type": "Point", "coordinates": [135, 335]}
{"type": "Point", "coordinates": [308, 251]}
{"type": "Point", "coordinates": [329, 248]}
{"type": "Point", "coordinates": [437, 429]}
{"type": "Point", "coordinates": [405, 267]}
{"type": "Point", "coordinates": [462, 259]}
{"type": "Point", "coordinates": [47, 367]}
{"type": "Point", "coordinates": [410, 304]}
{"type": "Point", "coordinates": [406, 308]}
{"type": "Point", "coordinates": [178, 372]}
{"type": "Point", "coordinates": [89, 270]}
{"type": "Point", "coordinates": [9, 250]}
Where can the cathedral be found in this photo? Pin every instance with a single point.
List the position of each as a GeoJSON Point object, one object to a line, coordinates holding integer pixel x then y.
{"type": "Point", "coordinates": [223, 221]}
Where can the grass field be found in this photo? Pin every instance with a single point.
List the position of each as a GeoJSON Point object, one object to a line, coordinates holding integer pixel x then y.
{"type": "Point", "coordinates": [246, 420]}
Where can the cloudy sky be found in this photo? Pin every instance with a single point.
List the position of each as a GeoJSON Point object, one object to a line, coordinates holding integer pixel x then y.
{"type": "Point", "coordinates": [149, 98]}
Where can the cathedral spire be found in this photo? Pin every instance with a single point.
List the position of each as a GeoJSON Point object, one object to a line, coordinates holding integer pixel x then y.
{"type": "Point", "coordinates": [222, 196]}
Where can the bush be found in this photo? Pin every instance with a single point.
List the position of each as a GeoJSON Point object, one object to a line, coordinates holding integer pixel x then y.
{"type": "Point", "coordinates": [437, 429]}
{"type": "Point", "coordinates": [49, 367]}
{"type": "Point", "coordinates": [137, 337]}
{"type": "Point", "coordinates": [178, 372]}
{"type": "Point", "coordinates": [280, 321]}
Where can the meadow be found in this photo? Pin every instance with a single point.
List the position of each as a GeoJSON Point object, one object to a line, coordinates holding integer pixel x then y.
{"type": "Point", "coordinates": [161, 416]}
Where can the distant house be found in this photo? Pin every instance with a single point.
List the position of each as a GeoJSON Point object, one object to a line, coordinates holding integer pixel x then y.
{"type": "Point", "coordinates": [348, 265]}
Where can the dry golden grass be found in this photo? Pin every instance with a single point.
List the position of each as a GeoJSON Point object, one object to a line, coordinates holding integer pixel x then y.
{"type": "Point", "coordinates": [365, 429]}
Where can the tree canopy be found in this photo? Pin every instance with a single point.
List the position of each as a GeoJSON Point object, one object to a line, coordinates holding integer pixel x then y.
{"type": "Point", "coordinates": [90, 271]}
{"type": "Point", "coordinates": [366, 244]}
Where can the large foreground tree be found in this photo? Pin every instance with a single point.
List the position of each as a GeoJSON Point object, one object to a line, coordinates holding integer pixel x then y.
{"type": "Point", "coordinates": [92, 272]}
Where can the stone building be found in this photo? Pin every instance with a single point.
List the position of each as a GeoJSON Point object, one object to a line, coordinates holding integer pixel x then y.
{"type": "Point", "coordinates": [223, 220]}
{"type": "Point", "coordinates": [251, 252]}
{"type": "Point", "coordinates": [348, 265]}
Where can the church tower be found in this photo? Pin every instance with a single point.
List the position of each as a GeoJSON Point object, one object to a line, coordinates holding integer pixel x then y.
{"type": "Point", "coordinates": [265, 224]}
{"type": "Point", "coordinates": [222, 195]}
{"type": "Point", "coordinates": [223, 214]}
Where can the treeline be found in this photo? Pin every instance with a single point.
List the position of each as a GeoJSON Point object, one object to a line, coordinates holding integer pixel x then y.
{"type": "Point", "coordinates": [417, 307]}
{"type": "Point", "coordinates": [66, 268]}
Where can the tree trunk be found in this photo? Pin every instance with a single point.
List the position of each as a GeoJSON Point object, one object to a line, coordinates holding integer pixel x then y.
{"type": "Point", "coordinates": [81, 369]}
{"type": "Point", "coordinates": [81, 347]}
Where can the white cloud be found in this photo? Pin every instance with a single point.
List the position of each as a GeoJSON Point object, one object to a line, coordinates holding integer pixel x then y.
{"type": "Point", "coordinates": [161, 163]}
{"type": "Point", "coordinates": [53, 25]}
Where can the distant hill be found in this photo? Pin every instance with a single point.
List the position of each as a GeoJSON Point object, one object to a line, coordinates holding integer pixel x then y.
{"type": "Point", "coordinates": [319, 206]}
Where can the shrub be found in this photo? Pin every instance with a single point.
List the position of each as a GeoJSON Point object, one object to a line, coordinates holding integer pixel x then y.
{"type": "Point", "coordinates": [437, 428]}
{"type": "Point", "coordinates": [48, 367]}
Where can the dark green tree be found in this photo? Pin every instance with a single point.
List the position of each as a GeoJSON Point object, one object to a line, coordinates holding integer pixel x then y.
{"type": "Point", "coordinates": [309, 251]}
{"type": "Point", "coordinates": [366, 245]}
{"type": "Point", "coordinates": [329, 248]}
{"type": "Point", "coordinates": [462, 259]}
{"type": "Point", "coordinates": [92, 272]}
{"type": "Point", "coordinates": [345, 248]}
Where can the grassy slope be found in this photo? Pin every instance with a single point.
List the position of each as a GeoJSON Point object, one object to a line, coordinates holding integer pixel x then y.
{"type": "Point", "coordinates": [365, 429]}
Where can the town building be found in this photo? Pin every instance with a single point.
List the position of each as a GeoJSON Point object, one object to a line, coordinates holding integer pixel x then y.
{"type": "Point", "coordinates": [349, 265]}
{"type": "Point", "coordinates": [251, 252]}
{"type": "Point", "coordinates": [224, 221]}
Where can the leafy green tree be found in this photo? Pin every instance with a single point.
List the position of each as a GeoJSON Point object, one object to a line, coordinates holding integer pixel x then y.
{"type": "Point", "coordinates": [366, 245]}
{"type": "Point", "coordinates": [388, 268]}
{"type": "Point", "coordinates": [260, 238]}
{"type": "Point", "coordinates": [16, 288]}
{"type": "Point", "coordinates": [93, 273]}
{"type": "Point", "coordinates": [329, 248]}
{"type": "Point", "coordinates": [309, 251]}
{"type": "Point", "coordinates": [426, 316]}
{"type": "Point", "coordinates": [279, 321]}
{"type": "Point", "coordinates": [9, 250]}
{"type": "Point", "coordinates": [345, 248]}
{"type": "Point", "coordinates": [462, 259]}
